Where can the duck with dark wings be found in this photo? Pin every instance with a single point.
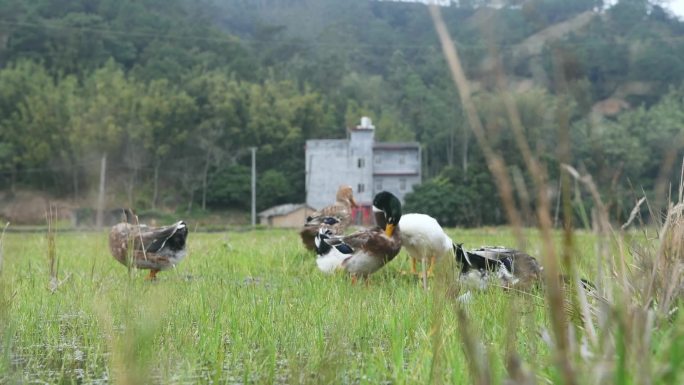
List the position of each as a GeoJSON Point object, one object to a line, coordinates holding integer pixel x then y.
{"type": "Point", "coordinates": [341, 211]}
{"type": "Point", "coordinates": [366, 251]}
{"type": "Point", "coordinates": [144, 247]}
{"type": "Point", "coordinates": [509, 266]}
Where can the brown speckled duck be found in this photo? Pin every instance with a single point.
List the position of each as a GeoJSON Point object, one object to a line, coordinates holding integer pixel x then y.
{"type": "Point", "coordinates": [144, 247]}
{"type": "Point", "coordinates": [341, 211]}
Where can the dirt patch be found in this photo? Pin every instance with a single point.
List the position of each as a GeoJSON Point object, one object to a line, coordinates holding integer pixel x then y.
{"type": "Point", "coordinates": [30, 208]}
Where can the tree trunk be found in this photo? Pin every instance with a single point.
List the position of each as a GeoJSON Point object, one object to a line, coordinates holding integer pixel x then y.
{"type": "Point", "coordinates": [130, 187]}
{"type": "Point", "coordinates": [74, 180]}
{"type": "Point", "coordinates": [426, 167]}
{"type": "Point", "coordinates": [465, 151]}
{"type": "Point", "coordinates": [253, 186]}
{"type": "Point", "coordinates": [192, 198]}
{"type": "Point", "coordinates": [205, 172]}
{"type": "Point", "coordinates": [13, 182]}
{"type": "Point", "coordinates": [155, 191]}
{"type": "Point", "coordinates": [101, 195]}
{"type": "Point", "coordinates": [450, 147]}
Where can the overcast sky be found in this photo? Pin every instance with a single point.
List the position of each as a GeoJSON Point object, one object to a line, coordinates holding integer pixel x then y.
{"type": "Point", "coordinates": [677, 7]}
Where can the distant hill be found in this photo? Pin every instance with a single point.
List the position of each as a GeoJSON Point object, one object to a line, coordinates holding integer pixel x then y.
{"type": "Point", "coordinates": [174, 92]}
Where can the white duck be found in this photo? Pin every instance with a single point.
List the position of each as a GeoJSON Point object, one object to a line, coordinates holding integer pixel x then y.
{"type": "Point", "coordinates": [423, 238]}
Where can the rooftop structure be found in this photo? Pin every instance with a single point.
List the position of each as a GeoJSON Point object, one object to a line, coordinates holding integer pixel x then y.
{"type": "Point", "coordinates": [368, 166]}
{"type": "Point", "coordinates": [286, 215]}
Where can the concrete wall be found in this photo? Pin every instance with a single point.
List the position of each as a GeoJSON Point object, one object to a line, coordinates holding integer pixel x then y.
{"type": "Point", "coordinates": [360, 163]}
{"type": "Point", "coordinates": [396, 170]}
{"type": "Point", "coordinates": [397, 185]}
{"type": "Point", "coordinates": [296, 218]}
{"type": "Point", "coordinates": [361, 159]}
{"type": "Point", "coordinates": [403, 161]}
{"type": "Point", "coordinates": [327, 167]}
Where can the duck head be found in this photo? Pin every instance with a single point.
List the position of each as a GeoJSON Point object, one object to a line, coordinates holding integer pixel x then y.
{"type": "Point", "coordinates": [346, 194]}
{"type": "Point", "coordinates": [387, 210]}
{"type": "Point", "coordinates": [460, 255]}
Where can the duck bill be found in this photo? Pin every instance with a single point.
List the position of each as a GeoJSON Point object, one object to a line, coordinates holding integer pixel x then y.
{"type": "Point", "coordinates": [389, 229]}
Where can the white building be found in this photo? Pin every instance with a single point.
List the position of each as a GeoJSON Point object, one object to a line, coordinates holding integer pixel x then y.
{"type": "Point", "coordinates": [368, 166]}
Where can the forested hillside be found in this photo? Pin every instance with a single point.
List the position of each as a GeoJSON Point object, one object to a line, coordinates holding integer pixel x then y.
{"type": "Point", "coordinates": [174, 92]}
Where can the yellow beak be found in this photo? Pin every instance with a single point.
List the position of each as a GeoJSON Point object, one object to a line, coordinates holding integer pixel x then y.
{"type": "Point", "coordinates": [389, 229]}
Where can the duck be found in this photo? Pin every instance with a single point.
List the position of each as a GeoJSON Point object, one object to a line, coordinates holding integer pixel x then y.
{"type": "Point", "coordinates": [340, 210]}
{"type": "Point", "coordinates": [365, 251]}
{"type": "Point", "coordinates": [145, 247]}
{"type": "Point", "coordinates": [424, 240]}
{"type": "Point", "coordinates": [510, 267]}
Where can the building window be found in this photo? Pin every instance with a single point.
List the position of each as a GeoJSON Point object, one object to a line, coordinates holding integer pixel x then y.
{"type": "Point", "coordinates": [378, 185]}
{"type": "Point", "coordinates": [361, 162]}
{"type": "Point", "coordinates": [378, 159]}
{"type": "Point", "coordinates": [360, 188]}
{"type": "Point", "coordinates": [402, 184]}
{"type": "Point", "coordinates": [402, 159]}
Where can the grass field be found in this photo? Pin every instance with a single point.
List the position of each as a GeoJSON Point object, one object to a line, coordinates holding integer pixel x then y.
{"type": "Point", "coordinates": [251, 307]}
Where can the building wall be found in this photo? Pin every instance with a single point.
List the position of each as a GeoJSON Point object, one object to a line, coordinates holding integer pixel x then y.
{"type": "Point", "coordinates": [404, 161]}
{"type": "Point", "coordinates": [296, 218]}
{"type": "Point", "coordinates": [397, 185]}
{"type": "Point", "coordinates": [369, 169]}
{"type": "Point", "coordinates": [327, 167]}
{"type": "Point", "coordinates": [361, 159]}
{"type": "Point", "coordinates": [396, 170]}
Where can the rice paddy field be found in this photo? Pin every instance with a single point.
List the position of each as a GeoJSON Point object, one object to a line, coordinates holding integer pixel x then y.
{"type": "Point", "coordinates": [251, 307]}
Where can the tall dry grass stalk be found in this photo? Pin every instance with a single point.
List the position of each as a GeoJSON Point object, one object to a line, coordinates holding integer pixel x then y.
{"type": "Point", "coordinates": [5, 309]}
{"type": "Point", "coordinates": [443, 289]}
{"type": "Point", "coordinates": [53, 261]}
{"type": "Point", "coordinates": [502, 179]}
{"type": "Point", "coordinates": [2, 245]}
{"type": "Point", "coordinates": [635, 290]}
{"type": "Point", "coordinates": [52, 257]}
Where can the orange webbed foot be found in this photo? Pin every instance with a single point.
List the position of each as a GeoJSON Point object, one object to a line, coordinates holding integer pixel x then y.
{"type": "Point", "coordinates": [152, 276]}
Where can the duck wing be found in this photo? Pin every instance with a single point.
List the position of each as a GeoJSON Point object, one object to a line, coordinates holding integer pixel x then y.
{"type": "Point", "coordinates": [481, 261]}
{"type": "Point", "coordinates": [154, 240]}
{"type": "Point", "coordinates": [339, 210]}
{"type": "Point", "coordinates": [355, 240]}
{"type": "Point", "coordinates": [312, 228]}
{"type": "Point", "coordinates": [522, 265]}
{"type": "Point", "coordinates": [375, 242]}
{"type": "Point", "coordinates": [325, 241]}
{"type": "Point", "coordinates": [365, 239]}
{"type": "Point", "coordinates": [331, 251]}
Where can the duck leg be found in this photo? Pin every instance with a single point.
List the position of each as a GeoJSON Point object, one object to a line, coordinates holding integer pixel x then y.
{"type": "Point", "coordinates": [433, 259]}
{"type": "Point", "coordinates": [152, 276]}
{"type": "Point", "coordinates": [413, 268]}
{"type": "Point", "coordinates": [425, 273]}
{"type": "Point", "coordinates": [354, 279]}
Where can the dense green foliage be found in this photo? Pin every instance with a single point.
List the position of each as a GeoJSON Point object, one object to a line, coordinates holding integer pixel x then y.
{"type": "Point", "coordinates": [175, 92]}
